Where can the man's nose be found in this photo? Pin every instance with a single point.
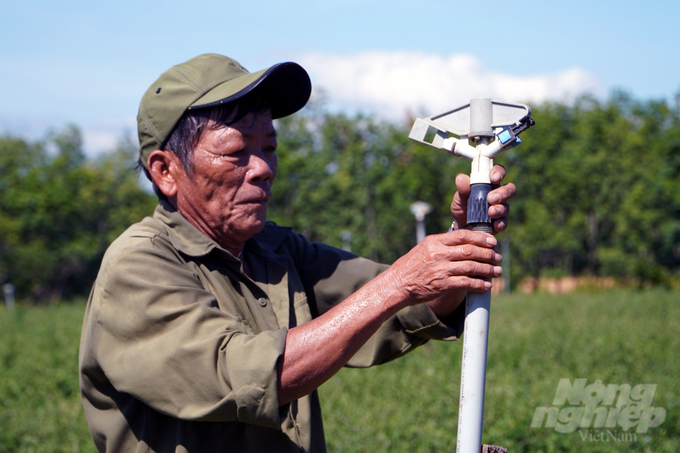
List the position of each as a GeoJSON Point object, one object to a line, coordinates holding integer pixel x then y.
{"type": "Point", "coordinates": [262, 166]}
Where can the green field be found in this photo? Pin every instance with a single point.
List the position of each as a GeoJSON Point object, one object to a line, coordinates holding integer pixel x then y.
{"type": "Point", "coordinates": [410, 405]}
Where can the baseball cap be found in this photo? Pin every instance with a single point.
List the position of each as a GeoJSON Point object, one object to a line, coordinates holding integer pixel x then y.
{"type": "Point", "coordinates": [208, 81]}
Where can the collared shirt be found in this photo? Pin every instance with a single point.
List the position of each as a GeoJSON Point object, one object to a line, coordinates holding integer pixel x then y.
{"type": "Point", "coordinates": [179, 347]}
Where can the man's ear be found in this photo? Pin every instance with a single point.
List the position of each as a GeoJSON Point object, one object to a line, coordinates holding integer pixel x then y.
{"type": "Point", "coordinates": [163, 167]}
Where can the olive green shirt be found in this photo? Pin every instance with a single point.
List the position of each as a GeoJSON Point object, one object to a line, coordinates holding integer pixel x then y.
{"type": "Point", "coordinates": [179, 348]}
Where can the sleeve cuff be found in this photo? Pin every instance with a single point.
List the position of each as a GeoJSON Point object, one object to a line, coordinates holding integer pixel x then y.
{"type": "Point", "coordinates": [255, 379]}
{"type": "Point", "coordinates": [420, 321]}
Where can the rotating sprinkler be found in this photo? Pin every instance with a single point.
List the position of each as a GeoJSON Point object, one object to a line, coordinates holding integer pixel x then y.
{"type": "Point", "coordinates": [479, 131]}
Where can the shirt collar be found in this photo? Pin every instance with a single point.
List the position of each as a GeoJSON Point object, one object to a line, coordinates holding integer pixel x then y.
{"type": "Point", "coordinates": [186, 238]}
{"type": "Point", "coordinates": [268, 240]}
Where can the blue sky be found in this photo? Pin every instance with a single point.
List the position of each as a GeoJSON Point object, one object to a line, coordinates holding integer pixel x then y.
{"type": "Point", "coordinates": [88, 62]}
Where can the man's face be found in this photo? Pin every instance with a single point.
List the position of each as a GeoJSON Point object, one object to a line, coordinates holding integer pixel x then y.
{"type": "Point", "coordinates": [234, 168]}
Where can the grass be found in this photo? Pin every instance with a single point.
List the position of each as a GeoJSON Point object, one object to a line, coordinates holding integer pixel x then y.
{"type": "Point", "coordinates": [410, 405]}
{"type": "Point", "coordinates": [40, 408]}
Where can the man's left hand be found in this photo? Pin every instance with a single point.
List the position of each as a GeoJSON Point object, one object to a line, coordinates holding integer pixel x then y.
{"type": "Point", "coordinates": [497, 198]}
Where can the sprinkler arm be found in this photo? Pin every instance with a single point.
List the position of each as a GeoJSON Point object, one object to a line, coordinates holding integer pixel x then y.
{"type": "Point", "coordinates": [481, 120]}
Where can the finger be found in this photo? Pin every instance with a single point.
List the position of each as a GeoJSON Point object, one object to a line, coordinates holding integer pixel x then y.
{"type": "Point", "coordinates": [482, 270]}
{"type": "Point", "coordinates": [471, 284]}
{"type": "Point", "coordinates": [463, 185]}
{"type": "Point", "coordinates": [460, 199]}
{"type": "Point", "coordinates": [459, 209]}
{"type": "Point", "coordinates": [475, 269]}
{"type": "Point", "coordinates": [500, 224]}
{"type": "Point", "coordinates": [476, 285]}
{"type": "Point", "coordinates": [497, 174]}
{"type": "Point", "coordinates": [472, 254]}
{"type": "Point", "coordinates": [467, 237]}
{"type": "Point", "coordinates": [499, 211]}
{"type": "Point", "coordinates": [501, 194]}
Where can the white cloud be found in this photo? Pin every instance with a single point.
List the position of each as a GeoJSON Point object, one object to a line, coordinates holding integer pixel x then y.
{"type": "Point", "coordinates": [97, 141]}
{"type": "Point", "coordinates": [104, 135]}
{"type": "Point", "coordinates": [392, 84]}
{"type": "Point", "coordinates": [99, 136]}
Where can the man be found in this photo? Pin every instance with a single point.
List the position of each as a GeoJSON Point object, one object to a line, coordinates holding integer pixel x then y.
{"type": "Point", "coordinates": [208, 328]}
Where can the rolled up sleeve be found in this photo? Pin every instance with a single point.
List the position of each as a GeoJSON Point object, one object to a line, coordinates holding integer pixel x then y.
{"type": "Point", "coordinates": [420, 321]}
{"type": "Point", "coordinates": [161, 338]}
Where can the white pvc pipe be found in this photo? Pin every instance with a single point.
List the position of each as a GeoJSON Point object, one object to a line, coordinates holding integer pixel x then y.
{"type": "Point", "coordinates": [473, 372]}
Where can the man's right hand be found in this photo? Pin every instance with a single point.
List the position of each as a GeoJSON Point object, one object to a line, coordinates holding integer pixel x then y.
{"type": "Point", "coordinates": [456, 261]}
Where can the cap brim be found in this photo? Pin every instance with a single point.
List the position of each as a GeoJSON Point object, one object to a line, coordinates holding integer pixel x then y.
{"type": "Point", "coordinates": [285, 86]}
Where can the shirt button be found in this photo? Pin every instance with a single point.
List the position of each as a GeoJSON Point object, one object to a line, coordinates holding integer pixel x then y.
{"type": "Point", "coordinates": [262, 301]}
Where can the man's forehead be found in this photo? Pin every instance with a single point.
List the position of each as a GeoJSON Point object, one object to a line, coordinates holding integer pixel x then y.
{"type": "Point", "coordinates": [250, 126]}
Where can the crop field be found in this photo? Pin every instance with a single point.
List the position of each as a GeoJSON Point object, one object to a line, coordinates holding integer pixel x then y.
{"type": "Point", "coordinates": [552, 359]}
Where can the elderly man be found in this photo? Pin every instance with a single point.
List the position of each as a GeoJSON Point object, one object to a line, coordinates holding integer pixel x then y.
{"type": "Point", "coordinates": [208, 328]}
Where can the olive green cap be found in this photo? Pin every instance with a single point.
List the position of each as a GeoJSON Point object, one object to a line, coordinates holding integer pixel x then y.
{"type": "Point", "coordinates": [210, 80]}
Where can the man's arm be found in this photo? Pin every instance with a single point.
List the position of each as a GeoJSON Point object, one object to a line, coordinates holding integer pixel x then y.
{"type": "Point", "coordinates": [438, 271]}
{"type": "Point", "coordinates": [441, 263]}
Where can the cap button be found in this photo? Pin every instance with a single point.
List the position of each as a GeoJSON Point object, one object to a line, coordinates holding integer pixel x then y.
{"type": "Point", "coordinates": [262, 301]}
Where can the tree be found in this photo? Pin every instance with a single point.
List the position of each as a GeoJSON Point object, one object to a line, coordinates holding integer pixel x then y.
{"type": "Point", "coordinates": [338, 173]}
{"type": "Point", "coordinates": [599, 194]}
{"type": "Point", "coordinates": [59, 212]}
{"type": "Point", "coordinates": [598, 184]}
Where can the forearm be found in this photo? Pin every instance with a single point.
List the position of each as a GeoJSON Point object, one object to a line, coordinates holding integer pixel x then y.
{"type": "Point", "coordinates": [316, 350]}
{"type": "Point", "coordinates": [437, 271]}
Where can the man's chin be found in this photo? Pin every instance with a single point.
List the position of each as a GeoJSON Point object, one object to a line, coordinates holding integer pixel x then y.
{"type": "Point", "coordinates": [247, 225]}
{"type": "Point", "coordinates": [257, 224]}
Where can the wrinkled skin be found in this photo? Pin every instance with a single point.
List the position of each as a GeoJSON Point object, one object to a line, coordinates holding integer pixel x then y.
{"type": "Point", "coordinates": [227, 195]}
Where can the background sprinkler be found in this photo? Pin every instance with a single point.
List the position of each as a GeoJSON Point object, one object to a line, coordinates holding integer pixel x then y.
{"type": "Point", "coordinates": [479, 131]}
{"type": "Point", "coordinates": [8, 289]}
{"type": "Point", "coordinates": [420, 209]}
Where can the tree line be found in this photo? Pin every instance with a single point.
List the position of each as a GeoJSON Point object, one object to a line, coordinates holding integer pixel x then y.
{"type": "Point", "coordinates": [598, 194]}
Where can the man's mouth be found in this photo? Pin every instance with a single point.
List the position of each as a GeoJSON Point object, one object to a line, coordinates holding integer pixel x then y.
{"type": "Point", "coordinates": [259, 200]}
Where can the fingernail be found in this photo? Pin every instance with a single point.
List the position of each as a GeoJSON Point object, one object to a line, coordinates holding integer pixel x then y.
{"type": "Point", "coordinates": [493, 199]}
{"type": "Point", "coordinates": [497, 270]}
{"type": "Point", "coordinates": [487, 284]}
{"type": "Point", "coordinates": [491, 240]}
{"type": "Point", "coordinates": [498, 258]}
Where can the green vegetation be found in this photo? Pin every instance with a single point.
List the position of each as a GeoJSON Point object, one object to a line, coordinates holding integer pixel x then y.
{"type": "Point", "coordinates": [599, 195]}
{"type": "Point", "coordinates": [598, 188]}
{"type": "Point", "coordinates": [40, 407]}
{"type": "Point", "coordinates": [599, 191]}
{"type": "Point", "coordinates": [59, 212]}
{"type": "Point", "coordinates": [411, 404]}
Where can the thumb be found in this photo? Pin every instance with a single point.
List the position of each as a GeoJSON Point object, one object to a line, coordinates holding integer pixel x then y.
{"type": "Point", "coordinates": [460, 199]}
